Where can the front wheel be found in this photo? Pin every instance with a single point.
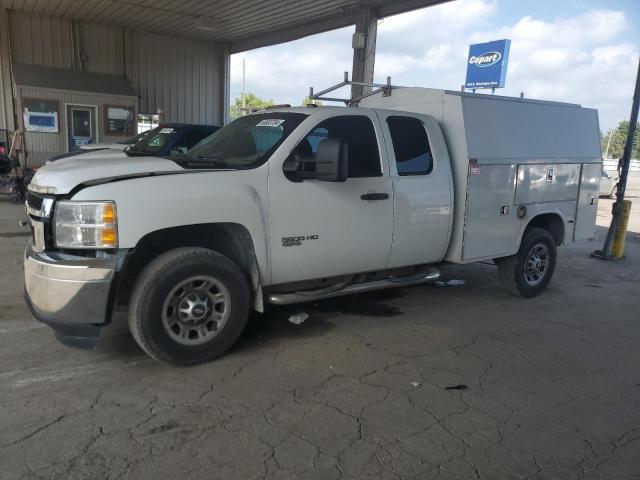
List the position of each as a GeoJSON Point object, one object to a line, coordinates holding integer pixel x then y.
{"type": "Point", "coordinates": [189, 306]}
{"type": "Point", "coordinates": [528, 272]}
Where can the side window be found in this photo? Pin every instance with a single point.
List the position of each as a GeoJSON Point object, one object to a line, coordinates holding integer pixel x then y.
{"type": "Point", "coordinates": [188, 140]}
{"type": "Point", "coordinates": [411, 146]}
{"type": "Point", "coordinates": [315, 137]}
{"type": "Point", "coordinates": [358, 131]}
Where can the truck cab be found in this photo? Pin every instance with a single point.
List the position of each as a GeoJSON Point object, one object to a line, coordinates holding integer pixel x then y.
{"type": "Point", "coordinates": [292, 205]}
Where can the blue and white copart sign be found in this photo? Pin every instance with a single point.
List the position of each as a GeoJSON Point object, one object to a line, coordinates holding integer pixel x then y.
{"type": "Point", "coordinates": [487, 64]}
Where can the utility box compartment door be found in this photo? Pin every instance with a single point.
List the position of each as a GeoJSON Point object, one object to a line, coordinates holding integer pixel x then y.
{"type": "Point", "coordinates": [490, 221]}
{"type": "Point", "coordinates": [587, 208]}
{"type": "Point", "coordinates": [547, 183]}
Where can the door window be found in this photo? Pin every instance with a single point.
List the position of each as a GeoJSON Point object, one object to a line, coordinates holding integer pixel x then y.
{"type": "Point", "coordinates": [81, 126]}
{"type": "Point", "coordinates": [81, 123]}
{"type": "Point", "coordinates": [358, 131]}
{"type": "Point", "coordinates": [410, 145]}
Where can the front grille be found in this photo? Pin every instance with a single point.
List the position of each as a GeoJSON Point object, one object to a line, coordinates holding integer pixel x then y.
{"type": "Point", "coordinates": [39, 206]}
{"type": "Point", "coordinates": [34, 201]}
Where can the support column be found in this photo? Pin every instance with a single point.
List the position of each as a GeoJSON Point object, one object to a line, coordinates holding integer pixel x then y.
{"type": "Point", "coordinates": [7, 114]}
{"type": "Point", "coordinates": [364, 49]}
{"type": "Point", "coordinates": [221, 83]}
{"type": "Point", "coordinates": [226, 95]}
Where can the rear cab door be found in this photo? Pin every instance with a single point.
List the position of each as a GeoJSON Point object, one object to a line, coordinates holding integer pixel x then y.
{"type": "Point", "coordinates": [421, 177]}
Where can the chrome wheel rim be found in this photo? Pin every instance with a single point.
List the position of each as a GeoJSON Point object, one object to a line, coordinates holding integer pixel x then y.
{"type": "Point", "coordinates": [196, 310]}
{"type": "Point", "coordinates": [536, 264]}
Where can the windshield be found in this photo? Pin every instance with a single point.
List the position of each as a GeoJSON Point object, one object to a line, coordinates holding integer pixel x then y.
{"type": "Point", "coordinates": [138, 137]}
{"type": "Point", "coordinates": [245, 143]}
{"type": "Point", "coordinates": [155, 141]}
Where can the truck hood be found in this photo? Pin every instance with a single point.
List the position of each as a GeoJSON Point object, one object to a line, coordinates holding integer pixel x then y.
{"type": "Point", "coordinates": [99, 146]}
{"type": "Point", "coordinates": [62, 176]}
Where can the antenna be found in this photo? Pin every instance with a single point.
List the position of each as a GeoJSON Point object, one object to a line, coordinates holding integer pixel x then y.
{"type": "Point", "coordinates": [244, 87]}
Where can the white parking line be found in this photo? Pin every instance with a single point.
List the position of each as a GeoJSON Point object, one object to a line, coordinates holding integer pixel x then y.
{"type": "Point", "coordinates": [22, 329]}
{"type": "Point", "coordinates": [33, 376]}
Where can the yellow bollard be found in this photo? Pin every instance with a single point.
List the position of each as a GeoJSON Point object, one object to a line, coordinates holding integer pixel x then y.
{"type": "Point", "coordinates": [617, 249]}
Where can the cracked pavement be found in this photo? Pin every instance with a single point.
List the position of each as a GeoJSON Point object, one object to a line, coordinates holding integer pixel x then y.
{"type": "Point", "coordinates": [358, 391]}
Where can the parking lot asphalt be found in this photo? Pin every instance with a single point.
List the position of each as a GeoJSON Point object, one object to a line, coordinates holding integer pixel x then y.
{"type": "Point", "coordinates": [449, 382]}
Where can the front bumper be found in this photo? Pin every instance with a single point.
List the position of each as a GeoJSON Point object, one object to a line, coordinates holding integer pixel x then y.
{"type": "Point", "coordinates": [70, 293]}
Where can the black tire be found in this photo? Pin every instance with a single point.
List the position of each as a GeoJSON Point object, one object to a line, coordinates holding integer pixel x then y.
{"type": "Point", "coordinates": [155, 292]}
{"type": "Point", "coordinates": [515, 277]}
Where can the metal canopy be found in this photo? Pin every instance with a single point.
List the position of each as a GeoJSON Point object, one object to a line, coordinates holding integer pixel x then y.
{"type": "Point", "coordinates": [244, 25]}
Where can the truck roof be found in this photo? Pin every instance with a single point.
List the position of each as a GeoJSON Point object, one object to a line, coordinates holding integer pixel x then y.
{"type": "Point", "coordinates": [310, 110]}
{"type": "Point", "coordinates": [419, 92]}
{"type": "Point", "coordinates": [503, 98]}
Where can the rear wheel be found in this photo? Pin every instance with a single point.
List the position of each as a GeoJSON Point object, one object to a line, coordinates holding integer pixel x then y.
{"type": "Point", "coordinates": [528, 272]}
{"type": "Point", "coordinates": [189, 306]}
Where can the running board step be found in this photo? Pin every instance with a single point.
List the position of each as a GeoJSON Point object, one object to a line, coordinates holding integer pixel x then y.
{"type": "Point", "coordinates": [428, 276]}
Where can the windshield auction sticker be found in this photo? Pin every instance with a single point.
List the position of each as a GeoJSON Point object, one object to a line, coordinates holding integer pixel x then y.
{"type": "Point", "coordinates": [166, 130]}
{"type": "Point", "coordinates": [270, 122]}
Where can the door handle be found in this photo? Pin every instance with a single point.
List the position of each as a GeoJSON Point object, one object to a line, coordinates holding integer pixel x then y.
{"type": "Point", "coordinates": [374, 196]}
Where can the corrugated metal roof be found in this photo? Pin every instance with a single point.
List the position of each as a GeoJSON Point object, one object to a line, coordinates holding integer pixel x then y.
{"type": "Point", "coordinates": [63, 79]}
{"type": "Point", "coordinates": [241, 24]}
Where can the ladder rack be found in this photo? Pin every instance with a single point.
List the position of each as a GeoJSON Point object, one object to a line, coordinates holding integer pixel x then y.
{"type": "Point", "coordinates": [385, 88]}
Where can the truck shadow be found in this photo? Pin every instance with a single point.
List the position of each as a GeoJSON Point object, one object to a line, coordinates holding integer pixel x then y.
{"type": "Point", "coordinates": [274, 323]}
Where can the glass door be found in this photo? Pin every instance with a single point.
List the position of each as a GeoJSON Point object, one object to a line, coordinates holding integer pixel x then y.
{"type": "Point", "coordinates": [81, 126]}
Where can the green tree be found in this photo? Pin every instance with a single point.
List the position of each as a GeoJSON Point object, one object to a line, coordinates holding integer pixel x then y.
{"type": "Point", "coordinates": [250, 103]}
{"type": "Point", "coordinates": [618, 140]}
{"type": "Point", "coordinates": [307, 100]}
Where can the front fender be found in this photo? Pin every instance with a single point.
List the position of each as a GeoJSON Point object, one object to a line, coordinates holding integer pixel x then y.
{"type": "Point", "coordinates": [145, 205]}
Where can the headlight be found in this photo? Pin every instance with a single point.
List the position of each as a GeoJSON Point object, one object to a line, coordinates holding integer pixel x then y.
{"type": "Point", "coordinates": [86, 225]}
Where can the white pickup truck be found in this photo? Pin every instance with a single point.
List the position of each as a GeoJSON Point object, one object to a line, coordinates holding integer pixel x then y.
{"type": "Point", "coordinates": [299, 204]}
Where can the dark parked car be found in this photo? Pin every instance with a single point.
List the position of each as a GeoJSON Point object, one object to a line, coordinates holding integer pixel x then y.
{"type": "Point", "coordinates": [172, 139]}
{"type": "Point", "coordinates": [167, 139]}
{"type": "Point", "coordinates": [127, 142]}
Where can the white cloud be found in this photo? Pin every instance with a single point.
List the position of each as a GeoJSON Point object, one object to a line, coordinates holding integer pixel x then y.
{"type": "Point", "coordinates": [582, 59]}
{"type": "Point", "coordinates": [449, 18]}
{"type": "Point", "coordinates": [284, 73]}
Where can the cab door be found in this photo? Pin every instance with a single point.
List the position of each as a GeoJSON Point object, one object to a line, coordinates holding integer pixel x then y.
{"type": "Point", "coordinates": [422, 186]}
{"type": "Point", "coordinates": [323, 229]}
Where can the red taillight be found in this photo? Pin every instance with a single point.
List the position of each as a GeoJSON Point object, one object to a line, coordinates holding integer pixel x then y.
{"type": "Point", "coordinates": [3, 150]}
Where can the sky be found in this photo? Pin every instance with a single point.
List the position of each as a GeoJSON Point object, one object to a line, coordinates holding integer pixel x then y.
{"type": "Point", "coordinates": [578, 51]}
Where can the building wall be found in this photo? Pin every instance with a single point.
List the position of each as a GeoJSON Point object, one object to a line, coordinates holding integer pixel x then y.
{"type": "Point", "coordinates": [6, 85]}
{"type": "Point", "coordinates": [103, 48]}
{"type": "Point", "coordinates": [188, 79]}
{"type": "Point", "coordinates": [43, 145]}
{"type": "Point", "coordinates": [41, 40]}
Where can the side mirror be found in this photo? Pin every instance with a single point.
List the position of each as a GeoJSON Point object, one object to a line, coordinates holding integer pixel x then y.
{"type": "Point", "coordinates": [330, 163]}
{"type": "Point", "coordinates": [332, 160]}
